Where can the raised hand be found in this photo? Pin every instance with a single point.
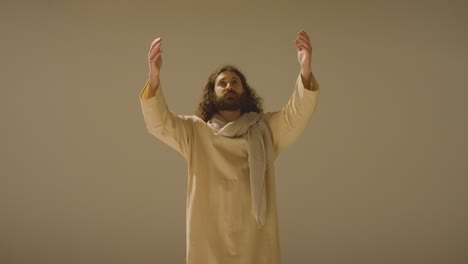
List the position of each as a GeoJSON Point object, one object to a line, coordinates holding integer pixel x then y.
{"type": "Point", "coordinates": [155, 62]}
{"type": "Point", "coordinates": [304, 51]}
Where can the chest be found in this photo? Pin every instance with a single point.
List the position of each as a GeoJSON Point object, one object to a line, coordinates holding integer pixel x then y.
{"type": "Point", "coordinates": [221, 152]}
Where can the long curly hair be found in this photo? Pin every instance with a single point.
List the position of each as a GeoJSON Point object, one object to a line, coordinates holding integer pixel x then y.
{"type": "Point", "coordinates": [207, 107]}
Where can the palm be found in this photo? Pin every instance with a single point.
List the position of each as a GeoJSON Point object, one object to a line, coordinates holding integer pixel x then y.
{"type": "Point", "coordinates": [302, 58]}
{"type": "Point", "coordinates": [156, 65]}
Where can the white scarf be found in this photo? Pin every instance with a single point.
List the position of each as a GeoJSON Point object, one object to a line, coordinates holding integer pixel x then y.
{"type": "Point", "coordinates": [259, 149]}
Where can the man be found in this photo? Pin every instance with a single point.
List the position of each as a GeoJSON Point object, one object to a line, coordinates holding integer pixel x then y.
{"type": "Point", "coordinates": [230, 147]}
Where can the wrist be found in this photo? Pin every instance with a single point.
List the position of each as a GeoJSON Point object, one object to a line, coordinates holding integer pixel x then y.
{"type": "Point", "coordinates": [306, 76]}
{"type": "Point", "coordinates": [306, 70]}
{"type": "Point", "coordinates": [154, 82]}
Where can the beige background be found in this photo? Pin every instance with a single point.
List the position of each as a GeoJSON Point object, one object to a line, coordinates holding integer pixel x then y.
{"type": "Point", "coordinates": [380, 175]}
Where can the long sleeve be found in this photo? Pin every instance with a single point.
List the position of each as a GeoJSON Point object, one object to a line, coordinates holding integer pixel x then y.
{"type": "Point", "coordinates": [288, 124]}
{"type": "Point", "coordinates": [172, 129]}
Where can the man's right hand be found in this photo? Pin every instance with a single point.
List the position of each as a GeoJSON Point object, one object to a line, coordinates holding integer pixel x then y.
{"type": "Point", "coordinates": [155, 63]}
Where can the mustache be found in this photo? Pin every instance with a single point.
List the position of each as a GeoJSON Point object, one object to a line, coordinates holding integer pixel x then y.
{"type": "Point", "coordinates": [230, 92]}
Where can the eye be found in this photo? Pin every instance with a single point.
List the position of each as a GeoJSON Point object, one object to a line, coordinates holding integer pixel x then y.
{"type": "Point", "coordinates": [234, 82]}
{"type": "Point", "coordinates": [222, 83]}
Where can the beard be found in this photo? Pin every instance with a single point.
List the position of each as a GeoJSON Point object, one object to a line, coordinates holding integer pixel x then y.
{"type": "Point", "coordinates": [231, 103]}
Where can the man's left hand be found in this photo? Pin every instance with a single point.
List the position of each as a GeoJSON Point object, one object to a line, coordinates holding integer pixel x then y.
{"type": "Point", "coordinates": [304, 52]}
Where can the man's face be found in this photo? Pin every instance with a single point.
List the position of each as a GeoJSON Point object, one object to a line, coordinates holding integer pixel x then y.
{"type": "Point", "coordinates": [229, 91]}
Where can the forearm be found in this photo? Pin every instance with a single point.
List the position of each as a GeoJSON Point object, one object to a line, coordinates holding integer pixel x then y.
{"type": "Point", "coordinates": [170, 128]}
{"type": "Point", "coordinates": [150, 90]}
{"type": "Point", "coordinates": [306, 76]}
{"type": "Point", "coordinates": [153, 87]}
{"type": "Point", "coordinates": [288, 124]}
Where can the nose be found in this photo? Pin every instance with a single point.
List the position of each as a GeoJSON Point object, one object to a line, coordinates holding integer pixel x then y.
{"type": "Point", "coordinates": [229, 86]}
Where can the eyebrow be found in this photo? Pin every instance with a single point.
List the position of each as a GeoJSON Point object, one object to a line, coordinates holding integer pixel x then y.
{"type": "Point", "coordinates": [234, 77]}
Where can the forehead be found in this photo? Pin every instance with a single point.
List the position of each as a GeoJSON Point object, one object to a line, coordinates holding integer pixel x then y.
{"type": "Point", "coordinates": [227, 75]}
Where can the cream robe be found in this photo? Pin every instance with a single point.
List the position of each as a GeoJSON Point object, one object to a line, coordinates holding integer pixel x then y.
{"type": "Point", "coordinates": [219, 222]}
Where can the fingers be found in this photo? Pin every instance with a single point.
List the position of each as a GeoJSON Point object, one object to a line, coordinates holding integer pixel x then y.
{"type": "Point", "coordinates": [304, 34]}
{"type": "Point", "coordinates": [155, 52]}
{"type": "Point", "coordinates": [298, 45]}
{"type": "Point", "coordinates": [155, 42]}
{"type": "Point", "coordinates": [151, 45]}
{"type": "Point", "coordinates": [302, 45]}
{"type": "Point", "coordinates": [302, 41]}
{"type": "Point", "coordinates": [154, 45]}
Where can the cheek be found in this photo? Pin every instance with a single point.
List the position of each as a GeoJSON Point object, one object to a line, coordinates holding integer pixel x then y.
{"type": "Point", "coordinates": [217, 92]}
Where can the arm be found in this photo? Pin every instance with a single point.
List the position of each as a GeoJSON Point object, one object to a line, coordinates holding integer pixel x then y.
{"type": "Point", "coordinates": [172, 129]}
{"type": "Point", "coordinates": [288, 124]}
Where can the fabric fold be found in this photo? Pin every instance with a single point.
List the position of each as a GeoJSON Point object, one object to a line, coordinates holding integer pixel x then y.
{"type": "Point", "coordinates": [260, 153]}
